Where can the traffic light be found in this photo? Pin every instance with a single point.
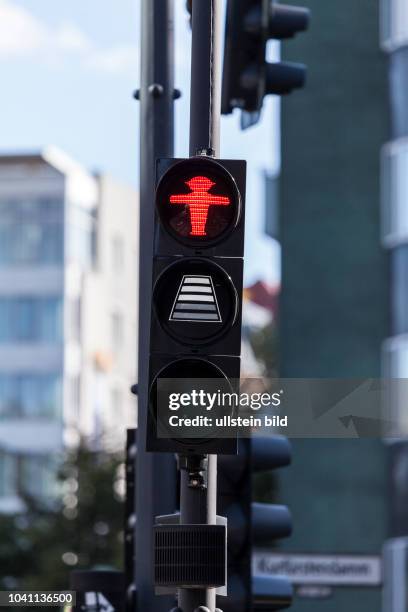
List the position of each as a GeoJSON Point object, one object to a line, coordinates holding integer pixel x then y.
{"type": "Point", "coordinates": [251, 524]}
{"type": "Point", "coordinates": [247, 76]}
{"type": "Point", "coordinates": [196, 287]}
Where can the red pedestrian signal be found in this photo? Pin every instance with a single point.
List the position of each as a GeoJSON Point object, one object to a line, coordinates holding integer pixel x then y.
{"type": "Point", "coordinates": [198, 202]}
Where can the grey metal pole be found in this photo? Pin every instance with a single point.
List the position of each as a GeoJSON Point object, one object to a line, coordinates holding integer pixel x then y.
{"type": "Point", "coordinates": [199, 504]}
{"type": "Point", "coordinates": [205, 109]}
{"type": "Point", "coordinates": [156, 97]}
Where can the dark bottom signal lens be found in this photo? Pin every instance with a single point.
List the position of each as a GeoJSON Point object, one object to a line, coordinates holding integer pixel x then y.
{"type": "Point", "coordinates": [186, 399]}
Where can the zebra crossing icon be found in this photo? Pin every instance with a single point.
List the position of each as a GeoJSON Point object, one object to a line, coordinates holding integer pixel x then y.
{"type": "Point", "coordinates": [196, 301]}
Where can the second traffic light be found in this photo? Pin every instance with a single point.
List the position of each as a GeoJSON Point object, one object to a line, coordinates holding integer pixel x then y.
{"type": "Point", "coordinates": [252, 525]}
{"type": "Point", "coordinates": [247, 76]}
{"type": "Point", "coordinates": [197, 287]}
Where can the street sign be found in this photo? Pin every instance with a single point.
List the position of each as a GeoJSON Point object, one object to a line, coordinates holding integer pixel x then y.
{"type": "Point", "coordinates": [311, 569]}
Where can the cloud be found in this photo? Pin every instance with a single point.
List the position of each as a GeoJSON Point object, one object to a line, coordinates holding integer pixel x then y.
{"type": "Point", "coordinates": [22, 35]}
{"type": "Point", "coordinates": [20, 32]}
{"type": "Point", "coordinates": [70, 38]}
{"type": "Point", "coordinates": [120, 58]}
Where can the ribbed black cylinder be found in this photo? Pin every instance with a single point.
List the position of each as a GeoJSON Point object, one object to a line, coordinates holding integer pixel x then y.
{"type": "Point", "coordinates": [190, 555]}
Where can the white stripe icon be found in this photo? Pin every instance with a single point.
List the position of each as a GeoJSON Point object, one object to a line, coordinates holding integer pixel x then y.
{"type": "Point", "coordinates": [196, 301]}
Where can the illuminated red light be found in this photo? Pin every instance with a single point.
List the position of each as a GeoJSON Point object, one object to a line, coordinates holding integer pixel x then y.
{"type": "Point", "coordinates": [198, 202]}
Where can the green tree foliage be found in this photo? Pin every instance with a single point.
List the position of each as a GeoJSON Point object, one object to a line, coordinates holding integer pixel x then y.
{"type": "Point", "coordinates": [81, 530]}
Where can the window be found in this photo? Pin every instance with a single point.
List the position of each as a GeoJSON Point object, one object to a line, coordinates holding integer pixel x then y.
{"type": "Point", "coordinates": [9, 401]}
{"type": "Point", "coordinates": [30, 395]}
{"type": "Point", "coordinates": [52, 244]}
{"type": "Point", "coordinates": [118, 255]}
{"type": "Point", "coordinates": [26, 319]}
{"type": "Point", "coordinates": [23, 319]}
{"type": "Point", "coordinates": [8, 475]}
{"type": "Point", "coordinates": [48, 320]}
{"type": "Point", "coordinates": [38, 476]}
{"type": "Point", "coordinates": [31, 231]}
{"type": "Point", "coordinates": [82, 236]}
{"type": "Point", "coordinates": [117, 331]}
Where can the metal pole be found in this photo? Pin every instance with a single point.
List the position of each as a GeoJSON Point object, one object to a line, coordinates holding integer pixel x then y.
{"type": "Point", "coordinates": [198, 504]}
{"type": "Point", "coordinates": [205, 109]}
{"type": "Point", "coordinates": [156, 97]}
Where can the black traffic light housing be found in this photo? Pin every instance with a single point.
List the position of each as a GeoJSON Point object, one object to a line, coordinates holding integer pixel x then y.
{"type": "Point", "coordinates": [197, 285]}
{"type": "Point", "coordinates": [251, 524]}
{"type": "Point", "coordinates": [286, 20]}
{"type": "Point", "coordinates": [247, 76]}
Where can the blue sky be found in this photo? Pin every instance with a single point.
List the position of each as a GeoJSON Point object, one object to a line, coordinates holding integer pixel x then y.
{"type": "Point", "coordinates": [68, 69]}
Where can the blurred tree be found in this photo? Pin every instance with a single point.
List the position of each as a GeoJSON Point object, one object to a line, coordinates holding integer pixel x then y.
{"type": "Point", "coordinates": [265, 345]}
{"type": "Point", "coordinates": [83, 529]}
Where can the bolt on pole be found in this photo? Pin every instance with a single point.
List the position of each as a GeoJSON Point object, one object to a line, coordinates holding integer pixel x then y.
{"type": "Point", "coordinates": [198, 501]}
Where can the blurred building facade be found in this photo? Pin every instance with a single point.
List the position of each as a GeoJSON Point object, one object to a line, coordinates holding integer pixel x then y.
{"type": "Point", "coordinates": [394, 39]}
{"type": "Point", "coordinates": [334, 308]}
{"type": "Point", "coordinates": [68, 315]}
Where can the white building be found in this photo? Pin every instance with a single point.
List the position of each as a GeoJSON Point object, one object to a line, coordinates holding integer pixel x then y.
{"type": "Point", "coordinates": [68, 314]}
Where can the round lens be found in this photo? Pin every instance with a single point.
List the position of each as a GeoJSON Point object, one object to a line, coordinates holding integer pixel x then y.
{"type": "Point", "coordinates": [195, 301]}
{"type": "Point", "coordinates": [188, 378]}
{"type": "Point", "coordinates": [198, 202]}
